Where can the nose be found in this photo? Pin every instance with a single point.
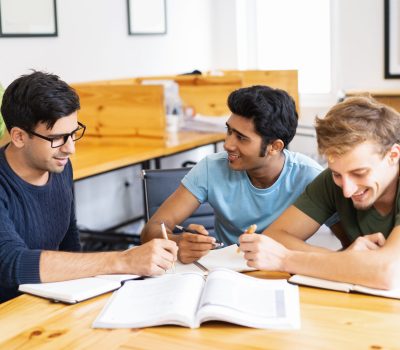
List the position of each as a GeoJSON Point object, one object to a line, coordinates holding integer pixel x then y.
{"type": "Point", "coordinates": [348, 187]}
{"type": "Point", "coordinates": [229, 144]}
{"type": "Point", "coordinates": [68, 147]}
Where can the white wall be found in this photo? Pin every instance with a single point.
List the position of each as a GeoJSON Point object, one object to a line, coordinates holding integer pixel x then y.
{"type": "Point", "coordinates": [361, 45]}
{"type": "Point", "coordinates": [93, 43]}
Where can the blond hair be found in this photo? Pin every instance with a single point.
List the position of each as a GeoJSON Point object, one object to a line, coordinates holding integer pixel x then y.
{"type": "Point", "coordinates": [354, 121]}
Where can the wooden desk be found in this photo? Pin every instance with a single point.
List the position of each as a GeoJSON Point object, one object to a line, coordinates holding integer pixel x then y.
{"type": "Point", "coordinates": [99, 155]}
{"type": "Point", "coordinates": [329, 320]}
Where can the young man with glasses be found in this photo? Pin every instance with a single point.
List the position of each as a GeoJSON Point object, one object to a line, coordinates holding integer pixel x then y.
{"type": "Point", "coordinates": [39, 239]}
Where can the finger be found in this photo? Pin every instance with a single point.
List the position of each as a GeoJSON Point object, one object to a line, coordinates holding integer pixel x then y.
{"type": "Point", "coordinates": [250, 256]}
{"type": "Point", "coordinates": [380, 239]}
{"type": "Point", "coordinates": [247, 238]}
{"type": "Point", "coordinates": [199, 229]}
{"type": "Point", "coordinates": [190, 246]}
{"type": "Point", "coordinates": [194, 238]}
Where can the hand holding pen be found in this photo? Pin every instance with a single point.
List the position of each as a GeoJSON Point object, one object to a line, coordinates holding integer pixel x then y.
{"type": "Point", "coordinates": [193, 246]}
{"type": "Point", "coordinates": [186, 229]}
{"type": "Point", "coordinates": [251, 229]}
{"type": "Point", "coordinates": [165, 236]}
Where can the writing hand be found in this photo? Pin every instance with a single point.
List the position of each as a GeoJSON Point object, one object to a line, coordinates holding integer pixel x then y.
{"type": "Point", "coordinates": [193, 246]}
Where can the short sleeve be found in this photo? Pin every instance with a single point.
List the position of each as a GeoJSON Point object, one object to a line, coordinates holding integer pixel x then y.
{"type": "Point", "coordinates": [317, 201]}
{"type": "Point", "coordinates": [196, 180]}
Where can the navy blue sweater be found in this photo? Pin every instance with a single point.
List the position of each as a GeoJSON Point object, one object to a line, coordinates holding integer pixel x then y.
{"type": "Point", "coordinates": [32, 219]}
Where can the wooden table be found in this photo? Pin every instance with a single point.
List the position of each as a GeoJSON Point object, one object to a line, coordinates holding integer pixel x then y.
{"type": "Point", "coordinates": [329, 320]}
{"type": "Point", "coordinates": [96, 156]}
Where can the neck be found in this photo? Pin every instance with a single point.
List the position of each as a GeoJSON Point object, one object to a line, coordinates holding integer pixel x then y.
{"type": "Point", "coordinates": [22, 168]}
{"type": "Point", "coordinates": [266, 176]}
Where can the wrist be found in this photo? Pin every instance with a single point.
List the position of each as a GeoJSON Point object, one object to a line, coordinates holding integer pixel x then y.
{"type": "Point", "coordinates": [118, 262]}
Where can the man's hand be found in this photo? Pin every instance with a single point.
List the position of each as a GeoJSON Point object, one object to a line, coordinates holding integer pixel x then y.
{"type": "Point", "coordinates": [150, 259]}
{"type": "Point", "coordinates": [262, 252]}
{"type": "Point", "coordinates": [193, 246]}
{"type": "Point", "coordinates": [368, 242]}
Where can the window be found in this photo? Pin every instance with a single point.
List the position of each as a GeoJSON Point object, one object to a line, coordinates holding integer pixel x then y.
{"type": "Point", "coordinates": [295, 34]}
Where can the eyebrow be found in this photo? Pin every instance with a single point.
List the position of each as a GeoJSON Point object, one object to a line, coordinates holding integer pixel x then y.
{"type": "Point", "coordinates": [236, 131]}
{"type": "Point", "coordinates": [352, 171]}
{"type": "Point", "coordinates": [67, 133]}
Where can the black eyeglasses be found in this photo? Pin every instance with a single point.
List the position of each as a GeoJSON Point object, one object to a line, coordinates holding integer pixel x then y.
{"type": "Point", "coordinates": [59, 140]}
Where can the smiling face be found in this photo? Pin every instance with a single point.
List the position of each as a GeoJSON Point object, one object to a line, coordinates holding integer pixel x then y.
{"type": "Point", "coordinates": [365, 176]}
{"type": "Point", "coordinates": [40, 157]}
{"type": "Point", "coordinates": [243, 144]}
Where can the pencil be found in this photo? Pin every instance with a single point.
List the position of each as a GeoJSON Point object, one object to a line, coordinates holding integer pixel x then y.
{"type": "Point", "coordinates": [250, 229]}
{"type": "Point", "coordinates": [185, 229]}
{"type": "Point", "coordinates": [165, 236]}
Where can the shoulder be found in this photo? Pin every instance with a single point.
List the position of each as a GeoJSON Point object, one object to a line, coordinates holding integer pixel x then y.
{"type": "Point", "coordinates": [299, 160]}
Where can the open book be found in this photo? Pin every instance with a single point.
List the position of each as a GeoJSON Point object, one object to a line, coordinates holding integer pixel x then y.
{"type": "Point", "coordinates": [74, 291]}
{"type": "Point", "coordinates": [227, 258]}
{"type": "Point", "coordinates": [189, 300]}
{"type": "Point", "coordinates": [342, 286]}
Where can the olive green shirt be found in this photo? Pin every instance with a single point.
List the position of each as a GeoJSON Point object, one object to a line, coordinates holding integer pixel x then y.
{"type": "Point", "coordinates": [322, 198]}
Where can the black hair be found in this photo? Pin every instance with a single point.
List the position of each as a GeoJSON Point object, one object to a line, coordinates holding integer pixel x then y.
{"type": "Point", "coordinates": [37, 97]}
{"type": "Point", "coordinates": [273, 112]}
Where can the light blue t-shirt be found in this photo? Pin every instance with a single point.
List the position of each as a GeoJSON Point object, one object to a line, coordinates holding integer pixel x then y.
{"type": "Point", "coordinates": [237, 203]}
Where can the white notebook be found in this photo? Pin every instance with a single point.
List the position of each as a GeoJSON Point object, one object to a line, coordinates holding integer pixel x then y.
{"type": "Point", "coordinates": [189, 300]}
{"type": "Point", "coordinates": [227, 258]}
{"type": "Point", "coordinates": [342, 286]}
{"type": "Point", "coordinates": [74, 291]}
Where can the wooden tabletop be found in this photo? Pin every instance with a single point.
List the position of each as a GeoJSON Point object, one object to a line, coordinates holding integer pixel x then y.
{"type": "Point", "coordinates": [329, 320]}
{"type": "Point", "coordinates": [98, 155]}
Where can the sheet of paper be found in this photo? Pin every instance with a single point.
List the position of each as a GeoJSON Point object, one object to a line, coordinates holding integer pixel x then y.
{"type": "Point", "coordinates": [184, 268]}
{"type": "Point", "coordinates": [228, 258]}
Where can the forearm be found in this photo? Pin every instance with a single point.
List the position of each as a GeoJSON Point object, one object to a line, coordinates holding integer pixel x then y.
{"type": "Point", "coordinates": [294, 243]}
{"type": "Point", "coordinates": [152, 230]}
{"type": "Point", "coordinates": [59, 266]}
{"type": "Point", "coordinates": [372, 268]}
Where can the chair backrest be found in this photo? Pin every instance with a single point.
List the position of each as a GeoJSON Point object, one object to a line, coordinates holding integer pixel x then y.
{"type": "Point", "coordinates": [159, 184]}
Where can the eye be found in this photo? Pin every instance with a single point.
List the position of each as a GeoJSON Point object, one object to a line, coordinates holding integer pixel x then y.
{"type": "Point", "coordinates": [336, 175]}
{"type": "Point", "coordinates": [57, 138]}
{"type": "Point", "coordinates": [361, 174]}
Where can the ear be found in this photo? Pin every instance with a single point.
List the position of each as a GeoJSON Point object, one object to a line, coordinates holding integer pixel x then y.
{"type": "Point", "coordinates": [394, 154]}
{"type": "Point", "coordinates": [276, 147]}
{"type": "Point", "coordinates": [18, 137]}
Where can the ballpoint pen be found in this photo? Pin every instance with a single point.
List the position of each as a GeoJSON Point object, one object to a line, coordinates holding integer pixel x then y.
{"type": "Point", "coordinates": [185, 229]}
{"type": "Point", "coordinates": [165, 236]}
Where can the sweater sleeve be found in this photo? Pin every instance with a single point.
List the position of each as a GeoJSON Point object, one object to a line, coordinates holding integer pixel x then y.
{"type": "Point", "coordinates": [18, 263]}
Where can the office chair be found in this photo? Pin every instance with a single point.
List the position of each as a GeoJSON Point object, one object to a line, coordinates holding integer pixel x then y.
{"type": "Point", "coordinates": [159, 184]}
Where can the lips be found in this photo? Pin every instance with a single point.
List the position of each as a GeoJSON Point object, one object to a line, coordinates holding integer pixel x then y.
{"type": "Point", "coordinates": [359, 195]}
{"type": "Point", "coordinates": [61, 161]}
{"type": "Point", "coordinates": [232, 157]}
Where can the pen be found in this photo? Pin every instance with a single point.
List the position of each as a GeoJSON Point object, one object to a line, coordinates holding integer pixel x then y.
{"type": "Point", "coordinates": [250, 229]}
{"type": "Point", "coordinates": [165, 236]}
{"type": "Point", "coordinates": [185, 229]}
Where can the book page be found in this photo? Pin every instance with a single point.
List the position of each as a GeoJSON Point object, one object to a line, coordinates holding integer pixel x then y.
{"type": "Point", "coordinates": [228, 258]}
{"type": "Point", "coordinates": [172, 299]}
{"type": "Point", "coordinates": [248, 301]}
{"type": "Point", "coordinates": [247, 294]}
{"type": "Point", "coordinates": [321, 283]}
